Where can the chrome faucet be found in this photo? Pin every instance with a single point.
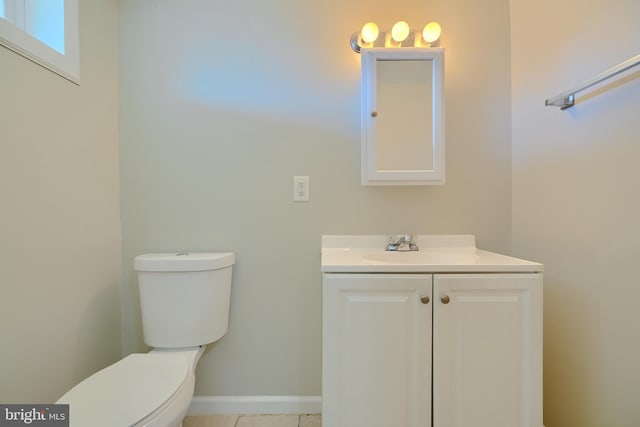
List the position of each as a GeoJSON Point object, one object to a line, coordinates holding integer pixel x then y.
{"type": "Point", "coordinates": [403, 244]}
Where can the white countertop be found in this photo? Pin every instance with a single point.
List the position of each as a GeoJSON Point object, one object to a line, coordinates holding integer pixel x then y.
{"type": "Point", "coordinates": [437, 254]}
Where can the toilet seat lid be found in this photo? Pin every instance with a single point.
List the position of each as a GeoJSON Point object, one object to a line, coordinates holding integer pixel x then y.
{"type": "Point", "coordinates": [127, 391]}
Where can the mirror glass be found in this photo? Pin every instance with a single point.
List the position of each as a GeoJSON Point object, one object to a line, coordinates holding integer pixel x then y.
{"type": "Point", "coordinates": [404, 125]}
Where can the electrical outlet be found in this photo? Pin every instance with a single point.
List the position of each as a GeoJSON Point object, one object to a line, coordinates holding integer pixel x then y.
{"type": "Point", "coordinates": [300, 188]}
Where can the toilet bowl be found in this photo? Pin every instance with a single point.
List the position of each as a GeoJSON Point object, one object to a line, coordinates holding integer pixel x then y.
{"type": "Point", "coordinates": [185, 305]}
{"type": "Point", "coordinates": [150, 389]}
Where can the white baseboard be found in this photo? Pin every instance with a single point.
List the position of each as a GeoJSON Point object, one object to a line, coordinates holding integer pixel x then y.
{"type": "Point", "coordinates": [250, 405]}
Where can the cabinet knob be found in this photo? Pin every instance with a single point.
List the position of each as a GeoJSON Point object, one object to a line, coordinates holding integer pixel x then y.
{"type": "Point", "coordinates": [445, 299]}
{"type": "Point", "coordinates": [425, 299]}
{"type": "Point", "coordinates": [374, 114]}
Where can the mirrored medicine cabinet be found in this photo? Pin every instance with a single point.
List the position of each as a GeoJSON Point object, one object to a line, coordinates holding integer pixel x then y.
{"type": "Point", "coordinates": [402, 116]}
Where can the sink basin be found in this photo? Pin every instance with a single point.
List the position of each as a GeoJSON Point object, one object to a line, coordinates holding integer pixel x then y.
{"type": "Point", "coordinates": [437, 254]}
{"type": "Point", "coordinates": [419, 257]}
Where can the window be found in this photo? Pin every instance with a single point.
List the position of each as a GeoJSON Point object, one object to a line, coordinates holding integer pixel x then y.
{"type": "Point", "coordinates": [44, 31]}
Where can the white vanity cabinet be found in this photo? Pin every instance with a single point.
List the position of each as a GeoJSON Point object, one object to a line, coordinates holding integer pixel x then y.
{"type": "Point", "coordinates": [432, 350]}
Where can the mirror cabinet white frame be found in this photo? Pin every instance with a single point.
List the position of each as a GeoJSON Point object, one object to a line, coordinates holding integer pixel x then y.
{"type": "Point", "coordinates": [402, 116]}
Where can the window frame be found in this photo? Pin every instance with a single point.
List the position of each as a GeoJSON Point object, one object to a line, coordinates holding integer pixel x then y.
{"type": "Point", "coordinates": [66, 65]}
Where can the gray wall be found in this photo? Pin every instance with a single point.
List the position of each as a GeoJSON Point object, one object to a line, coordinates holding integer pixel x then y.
{"type": "Point", "coordinates": [221, 103]}
{"type": "Point", "coordinates": [576, 202]}
{"type": "Point", "coordinates": [59, 218]}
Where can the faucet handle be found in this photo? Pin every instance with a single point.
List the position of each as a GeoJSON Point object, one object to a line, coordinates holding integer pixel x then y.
{"type": "Point", "coordinates": [408, 239]}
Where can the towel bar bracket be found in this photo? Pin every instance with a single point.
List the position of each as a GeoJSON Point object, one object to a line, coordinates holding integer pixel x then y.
{"type": "Point", "coordinates": [563, 103]}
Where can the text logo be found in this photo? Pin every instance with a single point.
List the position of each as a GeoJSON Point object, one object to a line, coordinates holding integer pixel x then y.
{"type": "Point", "coordinates": [34, 415]}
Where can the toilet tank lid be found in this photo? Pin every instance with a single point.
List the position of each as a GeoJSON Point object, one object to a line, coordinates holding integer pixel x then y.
{"type": "Point", "coordinates": [184, 261]}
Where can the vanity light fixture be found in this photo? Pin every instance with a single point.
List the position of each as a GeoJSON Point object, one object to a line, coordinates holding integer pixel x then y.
{"type": "Point", "coordinates": [400, 35]}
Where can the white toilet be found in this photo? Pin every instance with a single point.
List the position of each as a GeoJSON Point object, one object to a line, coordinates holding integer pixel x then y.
{"type": "Point", "coordinates": [184, 300]}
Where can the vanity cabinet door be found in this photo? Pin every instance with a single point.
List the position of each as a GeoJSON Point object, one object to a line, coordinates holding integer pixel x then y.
{"type": "Point", "coordinates": [376, 350]}
{"type": "Point", "coordinates": [487, 342]}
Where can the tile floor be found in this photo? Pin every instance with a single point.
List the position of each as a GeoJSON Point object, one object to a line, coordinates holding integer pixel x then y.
{"type": "Point", "coordinates": [253, 421]}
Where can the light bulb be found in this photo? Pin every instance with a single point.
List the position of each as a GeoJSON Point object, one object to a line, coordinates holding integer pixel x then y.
{"type": "Point", "coordinates": [400, 31]}
{"type": "Point", "coordinates": [431, 32]}
{"type": "Point", "coordinates": [369, 32]}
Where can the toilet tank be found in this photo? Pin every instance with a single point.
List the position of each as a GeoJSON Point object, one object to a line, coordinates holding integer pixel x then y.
{"type": "Point", "coordinates": [184, 297]}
